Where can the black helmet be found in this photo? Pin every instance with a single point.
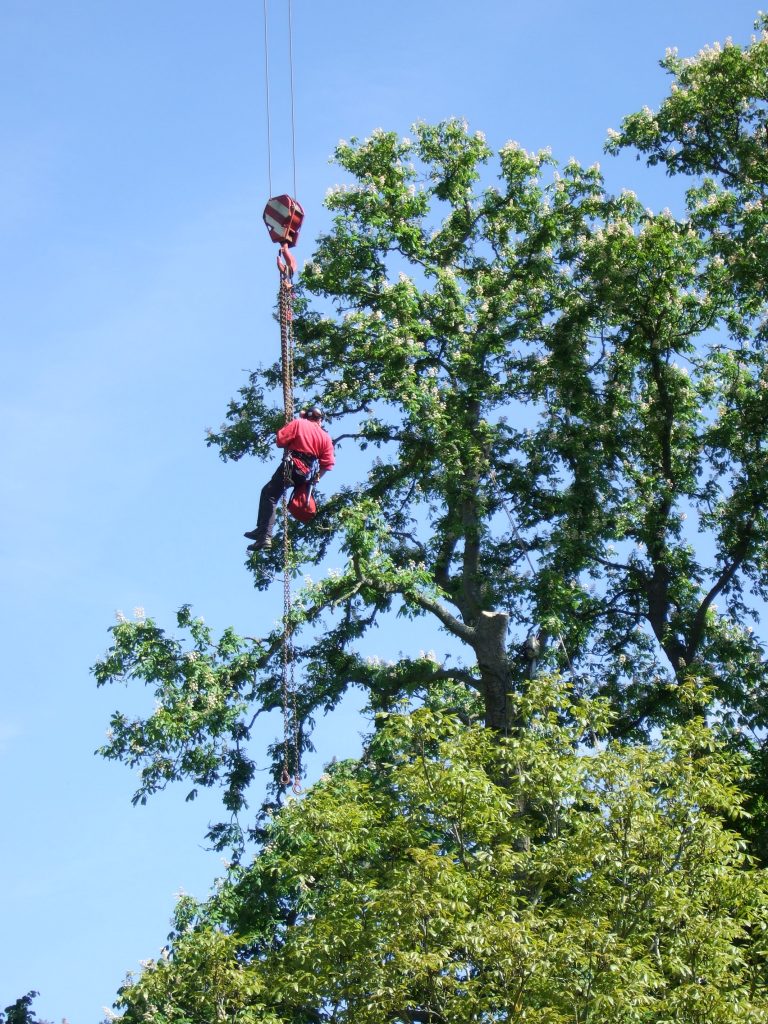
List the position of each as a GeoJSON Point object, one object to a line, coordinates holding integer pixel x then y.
{"type": "Point", "coordinates": [315, 413]}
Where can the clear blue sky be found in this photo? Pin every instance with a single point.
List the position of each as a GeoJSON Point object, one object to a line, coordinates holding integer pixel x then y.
{"type": "Point", "coordinates": [136, 285]}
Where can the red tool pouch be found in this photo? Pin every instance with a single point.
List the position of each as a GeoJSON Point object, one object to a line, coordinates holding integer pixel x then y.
{"type": "Point", "coordinates": [302, 505]}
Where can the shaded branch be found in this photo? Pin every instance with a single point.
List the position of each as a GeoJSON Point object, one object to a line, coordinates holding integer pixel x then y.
{"type": "Point", "coordinates": [697, 629]}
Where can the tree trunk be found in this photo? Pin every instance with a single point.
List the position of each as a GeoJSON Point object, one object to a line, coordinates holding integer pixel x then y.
{"type": "Point", "coordinates": [496, 680]}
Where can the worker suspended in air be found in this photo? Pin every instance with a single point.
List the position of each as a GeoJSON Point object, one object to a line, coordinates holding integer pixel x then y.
{"type": "Point", "coordinates": [308, 456]}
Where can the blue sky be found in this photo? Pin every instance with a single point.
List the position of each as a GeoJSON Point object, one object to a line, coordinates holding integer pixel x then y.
{"type": "Point", "coordinates": [136, 287]}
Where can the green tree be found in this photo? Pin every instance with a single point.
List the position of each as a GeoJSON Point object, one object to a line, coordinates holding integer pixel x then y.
{"type": "Point", "coordinates": [406, 887]}
{"type": "Point", "coordinates": [21, 1011]}
{"type": "Point", "coordinates": [560, 397]}
{"type": "Point", "coordinates": [713, 127]}
{"type": "Point", "coordinates": [562, 400]}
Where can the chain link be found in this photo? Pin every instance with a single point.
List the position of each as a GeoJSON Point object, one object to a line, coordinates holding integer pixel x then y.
{"type": "Point", "coordinates": [291, 772]}
{"type": "Point", "coordinates": [285, 305]}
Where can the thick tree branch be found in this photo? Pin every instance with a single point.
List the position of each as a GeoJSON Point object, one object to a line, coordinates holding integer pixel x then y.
{"type": "Point", "coordinates": [460, 629]}
{"type": "Point", "coordinates": [696, 633]}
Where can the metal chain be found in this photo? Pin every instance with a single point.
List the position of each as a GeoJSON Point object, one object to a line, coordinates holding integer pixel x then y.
{"type": "Point", "coordinates": [285, 311]}
{"type": "Point", "coordinates": [285, 304]}
{"type": "Point", "coordinates": [285, 779]}
{"type": "Point", "coordinates": [290, 716]}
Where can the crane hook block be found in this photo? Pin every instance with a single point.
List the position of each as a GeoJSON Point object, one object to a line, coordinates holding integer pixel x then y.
{"type": "Point", "coordinates": [283, 216]}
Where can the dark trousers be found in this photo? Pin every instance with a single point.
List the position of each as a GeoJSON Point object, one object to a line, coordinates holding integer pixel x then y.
{"type": "Point", "coordinates": [271, 493]}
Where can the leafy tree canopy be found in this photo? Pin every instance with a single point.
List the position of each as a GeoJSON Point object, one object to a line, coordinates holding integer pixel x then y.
{"type": "Point", "coordinates": [713, 125]}
{"type": "Point", "coordinates": [21, 1011]}
{"type": "Point", "coordinates": [407, 888]}
{"type": "Point", "coordinates": [564, 398]}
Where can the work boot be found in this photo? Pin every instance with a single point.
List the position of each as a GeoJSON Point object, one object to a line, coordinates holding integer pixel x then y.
{"type": "Point", "coordinates": [258, 545]}
{"type": "Point", "coordinates": [251, 535]}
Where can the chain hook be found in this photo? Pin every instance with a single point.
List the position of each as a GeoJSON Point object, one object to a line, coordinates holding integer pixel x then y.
{"type": "Point", "coordinates": [287, 265]}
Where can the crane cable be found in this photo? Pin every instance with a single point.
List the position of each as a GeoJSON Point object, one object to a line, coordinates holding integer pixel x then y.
{"type": "Point", "coordinates": [293, 104]}
{"type": "Point", "coordinates": [268, 104]}
{"type": "Point", "coordinates": [266, 94]}
{"type": "Point", "coordinates": [286, 234]}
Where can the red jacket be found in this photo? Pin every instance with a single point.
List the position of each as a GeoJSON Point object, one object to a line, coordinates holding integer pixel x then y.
{"type": "Point", "coordinates": [302, 435]}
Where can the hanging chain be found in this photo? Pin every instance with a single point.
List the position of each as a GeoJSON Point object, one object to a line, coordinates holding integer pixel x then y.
{"type": "Point", "coordinates": [290, 716]}
{"type": "Point", "coordinates": [288, 653]}
{"type": "Point", "coordinates": [285, 304]}
{"type": "Point", "coordinates": [286, 264]}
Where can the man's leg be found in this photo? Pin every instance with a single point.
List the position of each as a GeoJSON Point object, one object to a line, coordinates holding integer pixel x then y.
{"type": "Point", "coordinates": [270, 495]}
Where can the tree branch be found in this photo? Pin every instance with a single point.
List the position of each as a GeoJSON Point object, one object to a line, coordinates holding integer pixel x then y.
{"type": "Point", "coordinates": [697, 629]}
{"type": "Point", "coordinates": [460, 629]}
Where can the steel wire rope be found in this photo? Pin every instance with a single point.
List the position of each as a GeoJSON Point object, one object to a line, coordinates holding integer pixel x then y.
{"type": "Point", "coordinates": [266, 93]}
{"type": "Point", "coordinates": [293, 104]}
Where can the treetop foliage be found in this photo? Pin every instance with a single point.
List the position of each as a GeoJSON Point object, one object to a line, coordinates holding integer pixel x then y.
{"type": "Point", "coordinates": [713, 125]}
{"type": "Point", "coordinates": [560, 403]}
{"type": "Point", "coordinates": [563, 397]}
{"type": "Point", "coordinates": [408, 887]}
{"type": "Point", "coordinates": [21, 1011]}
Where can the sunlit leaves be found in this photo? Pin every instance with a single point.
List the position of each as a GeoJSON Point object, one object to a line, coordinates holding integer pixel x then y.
{"type": "Point", "coordinates": [557, 399]}
{"type": "Point", "coordinates": [713, 124]}
{"type": "Point", "coordinates": [410, 883]}
{"type": "Point", "coordinates": [204, 692]}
